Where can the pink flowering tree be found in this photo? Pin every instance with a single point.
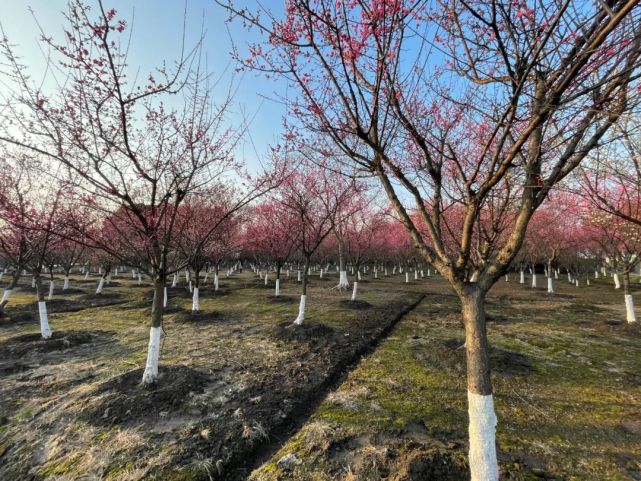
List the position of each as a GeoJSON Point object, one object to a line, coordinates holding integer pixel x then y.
{"type": "Point", "coordinates": [274, 232]}
{"type": "Point", "coordinates": [127, 156]}
{"type": "Point", "coordinates": [460, 103]}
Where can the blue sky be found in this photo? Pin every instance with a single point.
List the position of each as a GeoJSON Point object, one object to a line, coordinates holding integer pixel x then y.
{"type": "Point", "coordinates": [157, 34]}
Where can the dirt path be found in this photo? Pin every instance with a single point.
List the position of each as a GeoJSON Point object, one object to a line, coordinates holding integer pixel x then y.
{"type": "Point", "coordinates": [307, 407]}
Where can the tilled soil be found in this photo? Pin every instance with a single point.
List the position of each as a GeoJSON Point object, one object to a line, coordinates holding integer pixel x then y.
{"type": "Point", "coordinates": [216, 419]}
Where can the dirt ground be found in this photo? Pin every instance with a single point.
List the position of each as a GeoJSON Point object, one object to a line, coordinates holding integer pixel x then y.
{"type": "Point", "coordinates": [236, 380]}
{"type": "Point", "coordinates": [373, 390]}
{"type": "Point", "coordinates": [567, 387]}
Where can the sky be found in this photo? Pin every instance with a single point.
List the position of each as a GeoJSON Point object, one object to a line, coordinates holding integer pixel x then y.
{"type": "Point", "coordinates": [157, 36]}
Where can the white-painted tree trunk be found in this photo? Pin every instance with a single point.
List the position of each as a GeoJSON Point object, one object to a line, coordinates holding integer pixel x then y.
{"type": "Point", "coordinates": [358, 275]}
{"type": "Point", "coordinates": [321, 273]}
{"type": "Point", "coordinates": [550, 286]}
{"type": "Point", "coordinates": [277, 289]}
{"type": "Point", "coordinates": [139, 278]}
{"type": "Point", "coordinates": [45, 330]}
{"type": "Point", "coordinates": [65, 283]}
{"type": "Point", "coordinates": [215, 282]}
{"type": "Point", "coordinates": [407, 278]}
{"type": "Point", "coordinates": [386, 273]}
{"type": "Point", "coordinates": [482, 434]}
{"type": "Point", "coordinates": [6, 295]}
{"type": "Point", "coordinates": [301, 311]}
{"type": "Point", "coordinates": [596, 274]}
{"type": "Point", "coordinates": [174, 281]}
{"type": "Point", "coordinates": [101, 285]}
{"type": "Point", "coordinates": [195, 301]}
{"type": "Point", "coordinates": [1, 275]}
{"type": "Point", "coordinates": [556, 274]}
{"type": "Point", "coordinates": [51, 289]}
{"type": "Point", "coordinates": [629, 309]}
{"type": "Point", "coordinates": [429, 273]}
{"type": "Point", "coordinates": [33, 282]}
{"type": "Point", "coordinates": [191, 288]}
{"type": "Point", "coordinates": [587, 281]}
{"type": "Point", "coordinates": [416, 275]}
{"type": "Point", "coordinates": [299, 275]}
{"type": "Point", "coordinates": [394, 271]}
{"type": "Point", "coordinates": [165, 298]}
{"type": "Point", "coordinates": [576, 282]}
{"type": "Point", "coordinates": [355, 290]}
{"type": "Point", "coordinates": [522, 278]}
{"type": "Point", "coordinates": [87, 275]}
{"type": "Point", "coordinates": [375, 274]}
{"type": "Point", "coordinates": [133, 273]}
{"type": "Point", "coordinates": [534, 279]}
{"type": "Point", "coordinates": [153, 354]}
{"type": "Point", "coordinates": [507, 278]}
{"type": "Point", "coordinates": [99, 271]}
{"type": "Point", "coordinates": [343, 283]}
{"type": "Point", "coordinates": [617, 282]}
{"type": "Point", "coordinates": [266, 278]}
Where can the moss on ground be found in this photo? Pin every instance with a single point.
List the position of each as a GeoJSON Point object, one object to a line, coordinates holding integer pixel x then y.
{"type": "Point", "coordinates": [567, 393]}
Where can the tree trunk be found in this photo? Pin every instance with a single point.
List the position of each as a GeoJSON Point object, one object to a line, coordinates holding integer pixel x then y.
{"type": "Point", "coordinates": [343, 283]}
{"type": "Point", "coordinates": [629, 302]}
{"type": "Point", "coordinates": [9, 290]}
{"type": "Point", "coordinates": [277, 291]}
{"type": "Point", "coordinates": [153, 351]}
{"type": "Point", "coordinates": [45, 330]}
{"type": "Point", "coordinates": [482, 418]}
{"type": "Point", "coordinates": [303, 298]}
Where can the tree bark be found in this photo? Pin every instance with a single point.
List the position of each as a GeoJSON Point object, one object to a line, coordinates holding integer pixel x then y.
{"type": "Point", "coordinates": [153, 351]}
{"type": "Point", "coordinates": [482, 418]}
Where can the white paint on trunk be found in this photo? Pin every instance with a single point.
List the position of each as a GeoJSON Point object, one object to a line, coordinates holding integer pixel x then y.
{"type": "Point", "coordinates": [358, 275]}
{"type": "Point", "coordinates": [65, 284]}
{"type": "Point", "coordinates": [195, 301]}
{"type": "Point", "coordinates": [299, 276]}
{"type": "Point", "coordinates": [556, 274]}
{"type": "Point", "coordinates": [133, 274]}
{"type": "Point", "coordinates": [507, 278]}
{"type": "Point", "coordinates": [215, 282]}
{"type": "Point", "coordinates": [588, 282]}
{"type": "Point", "coordinates": [301, 311]}
{"type": "Point", "coordinates": [617, 282]}
{"type": "Point", "coordinates": [386, 273]}
{"type": "Point", "coordinates": [482, 434]}
{"type": "Point", "coordinates": [321, 273]}
{"type": "Point", "coordinates": [191, 288]}
{"type": "Point", "coordinates": [33, 282]}
{"type": "Point", "coordinates": [87, 275]}
{"type": "Point", "coordinates": [534, 279]}
{"type": "Point", "coordinates": [164, 297]}
{"type": "Point", "coordinates": [596, 274]}
{"type": "Point", "coordinates": [343, 283]}
{"type": "Point", "coordinates": [407, 277]}
{"type": "Point", "coordinates": [174, 281]}
{"type": "Point", "coordinates": [51, 288]}
{"type": "Point", "coordinates": [139, 278]}
{"type": "Point", "coordinates": [355, 290]}
{"type": "Point", "coordinates": [6, 295]}
{"type": "Point", "coordinates": [375, 274]}
{"type": "Point", "coordinates": [101, 284]}
{"type": "Point", "coordinates": [153, 354]}
{"type": "Point", "coordinates": [629, 309]}
{"type": "Point", "coordinates": [277, 292]}
{"type": "Point", "coordinates": [550, 286]}
{"type": "Point", "coordinates": [416, 275]}
{"type": "Point", "coordinates": [266, 278]}
{"type": "Point", "coordinates": [45, 330]}
{"type": "Point", "coordinates": [576, 282]}
{"type": "Point", "coordinates": [522, 278]}
{"type": "Point", "coordinates": [1, 275]}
